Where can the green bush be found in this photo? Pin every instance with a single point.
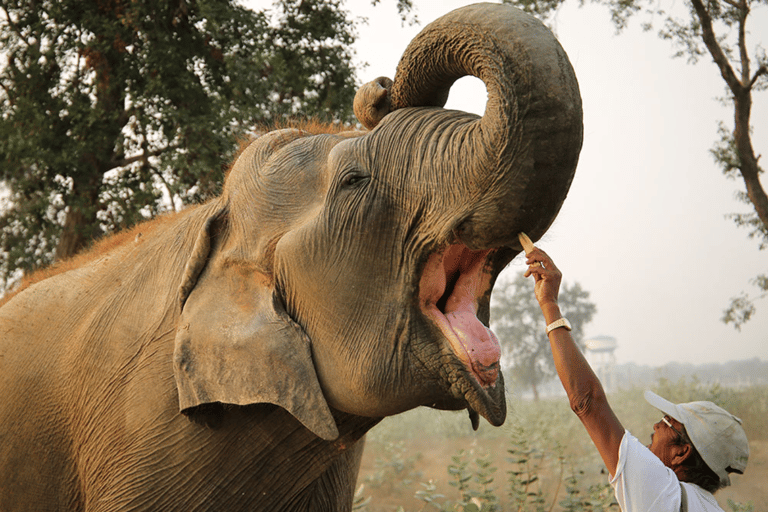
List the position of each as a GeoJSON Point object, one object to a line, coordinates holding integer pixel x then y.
{"type": "Point", "coordinates": [395, 469]}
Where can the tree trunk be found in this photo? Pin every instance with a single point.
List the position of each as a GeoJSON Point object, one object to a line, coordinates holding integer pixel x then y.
{"type": "Point", "coordinates": [81, 225]}
{"type": "Point", "coordinates": [741, 88]}
{"type": "Point", "coordinates": [748, 165]}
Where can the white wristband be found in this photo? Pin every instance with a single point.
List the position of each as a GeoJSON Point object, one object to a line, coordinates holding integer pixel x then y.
{"type": "Point", "coordinates": [560, 322]}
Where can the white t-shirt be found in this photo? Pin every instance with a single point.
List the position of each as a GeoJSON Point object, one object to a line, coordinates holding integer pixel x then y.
{"type": "Point", "coordinates": [643, 483]}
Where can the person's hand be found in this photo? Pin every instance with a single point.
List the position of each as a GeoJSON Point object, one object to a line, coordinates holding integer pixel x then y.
{"type": "Point", "coordinates": [546, 275]}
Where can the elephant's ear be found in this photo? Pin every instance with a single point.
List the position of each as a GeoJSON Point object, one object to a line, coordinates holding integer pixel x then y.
{"type": "Point", "coordinates": [235, 344]}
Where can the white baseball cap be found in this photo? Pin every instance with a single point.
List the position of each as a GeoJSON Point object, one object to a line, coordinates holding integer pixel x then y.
{"type": "Point", "coordinates": [717, 434]}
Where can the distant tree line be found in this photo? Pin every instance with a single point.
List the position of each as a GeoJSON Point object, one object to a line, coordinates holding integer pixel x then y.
{"type": "Point", "coordinates": [745, 372]}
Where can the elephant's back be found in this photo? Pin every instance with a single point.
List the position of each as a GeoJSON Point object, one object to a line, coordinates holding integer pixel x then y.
{"type": "Point", "coordinates": [36, 323]}
{"type": "Point", "coordinates": [36, 464]}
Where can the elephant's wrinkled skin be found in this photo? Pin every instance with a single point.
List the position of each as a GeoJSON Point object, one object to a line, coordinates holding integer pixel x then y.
{"type": "Point", "coordinates": [232, 357]}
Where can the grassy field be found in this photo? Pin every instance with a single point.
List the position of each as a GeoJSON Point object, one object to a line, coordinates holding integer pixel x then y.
{"type": "Point", "coordinates": [541, 459]}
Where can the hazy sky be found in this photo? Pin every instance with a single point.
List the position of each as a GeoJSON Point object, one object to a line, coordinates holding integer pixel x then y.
{"type": "Point", "coordinates": [643, 228]}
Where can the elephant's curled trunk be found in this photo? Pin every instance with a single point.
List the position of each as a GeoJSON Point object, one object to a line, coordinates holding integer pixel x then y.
{"type": "Point", "coordinates": [531, 133]}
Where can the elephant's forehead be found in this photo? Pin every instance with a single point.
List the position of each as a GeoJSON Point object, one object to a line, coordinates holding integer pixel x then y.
{"type": "Point", "coordinates": [344, 151]}
{"type": "Point", "coordinates": [310, 152]}
{"type": "Point", "coordinates": [305, 150]}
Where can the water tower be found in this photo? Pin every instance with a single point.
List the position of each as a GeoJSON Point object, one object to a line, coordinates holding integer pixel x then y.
{"type": "Point", "coordinates": [599, 352]}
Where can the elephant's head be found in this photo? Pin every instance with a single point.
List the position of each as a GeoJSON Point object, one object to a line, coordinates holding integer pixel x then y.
{"type": "Point", "coordinates": [355, 270]}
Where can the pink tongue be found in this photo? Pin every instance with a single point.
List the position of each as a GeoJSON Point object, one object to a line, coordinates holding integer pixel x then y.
{"type": "Point", "coordinates": [472, 342]}
{"type": "Point", "coordinates": [479, 343]}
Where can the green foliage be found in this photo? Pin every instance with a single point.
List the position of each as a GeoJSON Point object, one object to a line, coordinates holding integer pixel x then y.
{"type": "Point", "coordinates": [519, 325]}
{"type": "Point", "coordinates": [114, 111]}
{"type": "Point", "coordinates": [473, 483]}
{"type": "Point", "coordinates": [429, 495]}
{"type": "Point", "coordinates": [404, 8]}
{"type": "Point", "coordinates": [742, 307]}
{"type": "Point", "coordinates": [597, 498]}
{"type": "Point", "coordinates": [360, 501]}
{"type": "Point", "coordinates": [472, 476]}
{"type": "Point", "coordinates": [395, 469]}
{"type": "Point", "coordinates": [740, 507]}
{"type": "Point", "coordinates": [525, 490]}
{"type": "Point", "coordinates": [549, 460]}
{"type": "Point", "coordinates": [726, 154]}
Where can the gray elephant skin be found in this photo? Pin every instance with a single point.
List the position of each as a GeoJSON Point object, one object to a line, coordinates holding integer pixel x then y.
{"type": "Point", "coordinates": [232, 356]}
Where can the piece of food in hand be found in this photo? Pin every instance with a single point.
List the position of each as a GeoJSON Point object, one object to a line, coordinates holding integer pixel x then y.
{"type": "Point", "coordinates": [525, 242]}
{"type": "Point", "coordinates": [527, 245]}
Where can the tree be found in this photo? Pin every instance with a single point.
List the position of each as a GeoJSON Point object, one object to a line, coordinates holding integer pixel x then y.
{"type": "Point", "coordinates": [718, 28]}
{"type": "Point", "coordinates": [112, 111]}
{"type": "Point", "coordinates": [519, 325]}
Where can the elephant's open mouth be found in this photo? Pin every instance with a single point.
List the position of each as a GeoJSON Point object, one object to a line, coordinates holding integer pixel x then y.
{"type": "Point", "coordinates": [453, 282]}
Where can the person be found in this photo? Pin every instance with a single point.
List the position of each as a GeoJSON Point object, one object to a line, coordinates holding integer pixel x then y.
{"type": "Point", "coordinates": [693, 447]}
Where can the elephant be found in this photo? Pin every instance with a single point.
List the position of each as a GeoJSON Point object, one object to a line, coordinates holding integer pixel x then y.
{"type": "Point", "coordinates": [232, 356]}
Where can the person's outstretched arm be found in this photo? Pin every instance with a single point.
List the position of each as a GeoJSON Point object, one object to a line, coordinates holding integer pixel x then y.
{"type": "Point", "coordinates": [585, 393]}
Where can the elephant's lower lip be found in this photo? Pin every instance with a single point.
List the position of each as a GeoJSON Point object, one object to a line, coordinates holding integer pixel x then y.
{"type": "Point", "coordinates": [479, 353]}
{"type": "Point", "coordinates": [490, 402]}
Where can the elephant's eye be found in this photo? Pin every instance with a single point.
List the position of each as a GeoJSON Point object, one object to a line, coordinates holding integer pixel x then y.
{"type": "Point", "coordinates": [354, 179]}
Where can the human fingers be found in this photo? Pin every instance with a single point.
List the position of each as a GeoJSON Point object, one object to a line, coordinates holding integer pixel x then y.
{"type": "Point", "coordinates": [541, 257]}
{"type": "Point", "coordinates": [536, 257]}
{"type": "Point", "coordinates": [537, 271]}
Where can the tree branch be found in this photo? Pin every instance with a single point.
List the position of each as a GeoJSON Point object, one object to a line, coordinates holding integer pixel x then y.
{"type": "Point", "coordinates": [756, 194]}
{"type": "Point", "coordinates": [743, 13]}
{"type": "Point", "coordinates": [708, 35]}
{"type": "Point", "coordinates": [762, 70]}
{"type": "Point", "coordinates": [143, 156]}
{"type": "Point", "coordinates": [167, 187]}
{"type": "Point", "coordinates": [14, 26]}
{"type": "Point", "coordinates": [7, 92]}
